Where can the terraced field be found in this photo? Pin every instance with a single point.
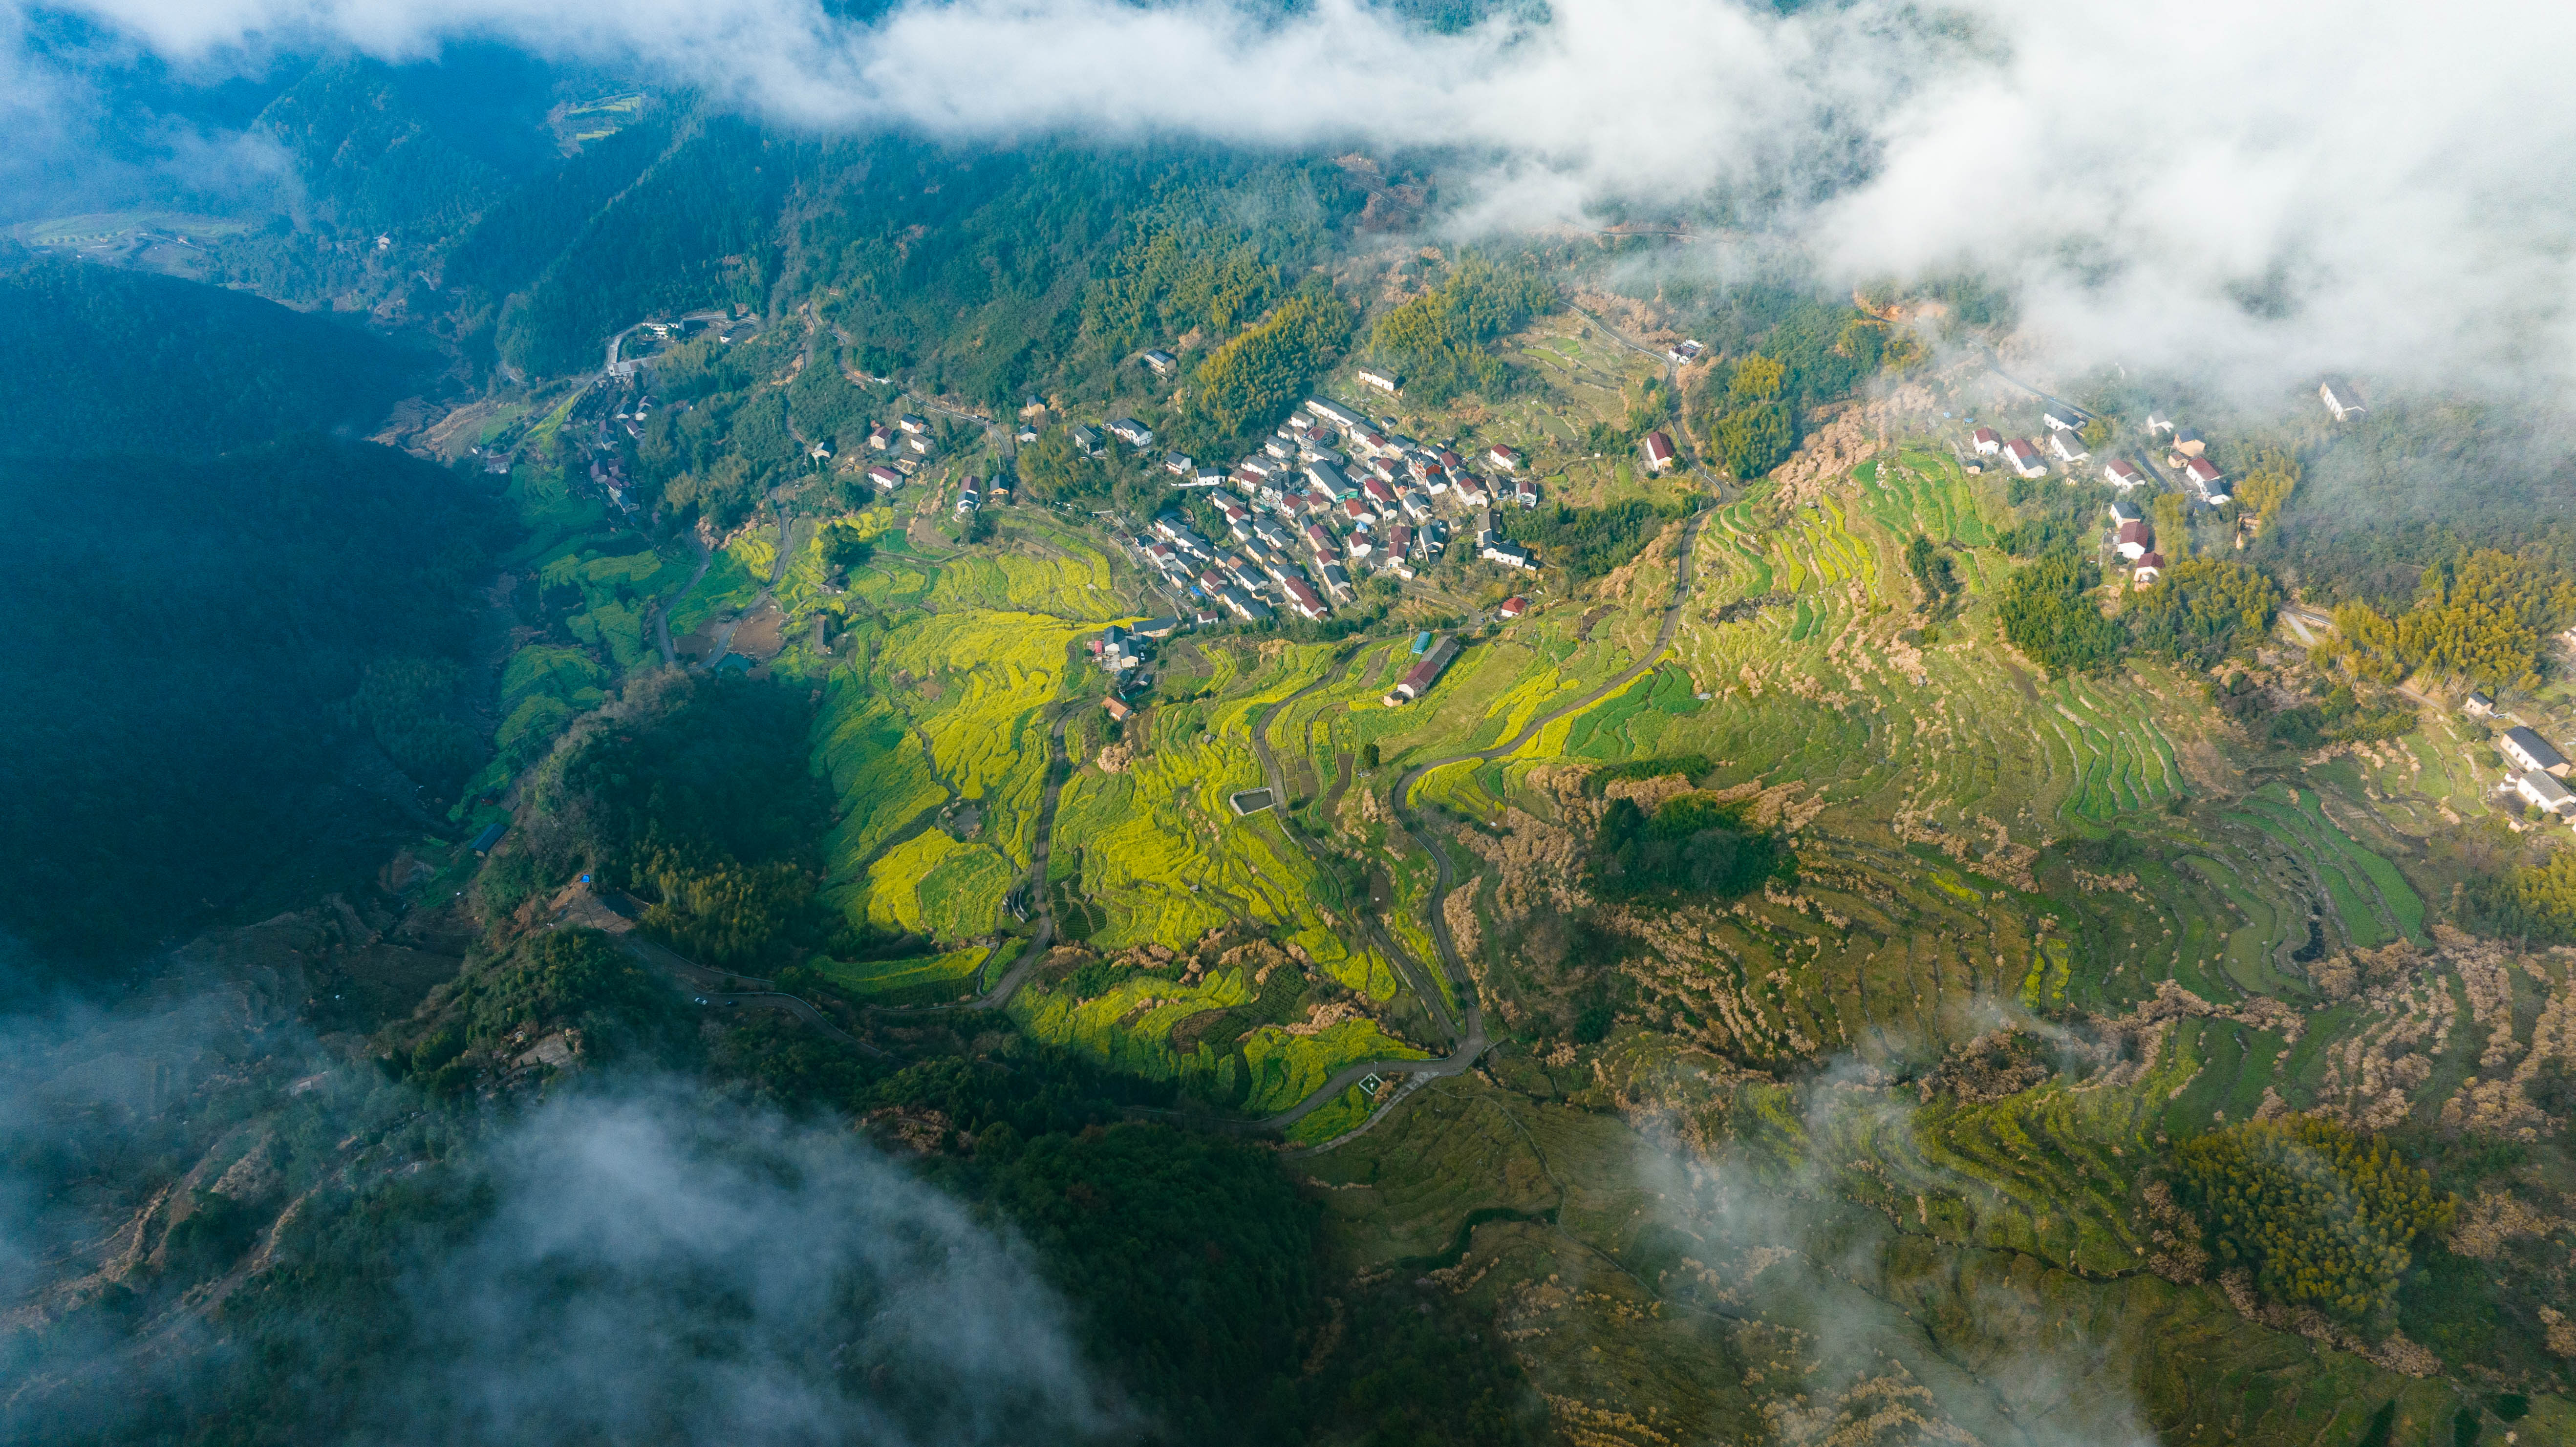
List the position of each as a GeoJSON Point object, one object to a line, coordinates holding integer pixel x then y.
{"type": "Point", "coordinates": [1160, 851]}
{"type": "Point", "coordinates": [934, 727]}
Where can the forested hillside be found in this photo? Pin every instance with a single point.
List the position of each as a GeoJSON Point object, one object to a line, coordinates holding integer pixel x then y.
{"type": "Point", "coordinates": [111, 361]}
{"type": "Point", "coordinates": [186, 644]}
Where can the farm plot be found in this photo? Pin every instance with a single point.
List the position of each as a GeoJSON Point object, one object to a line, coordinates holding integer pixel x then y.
{"type": "Point", "coordinates": [919, 980]}
{"type": "Point", "coordinates": [616, 591]}
{"type": "Point", "coordinates": [936, 886]}
{"type": "Point", "coordinates": [934, 709]}
{"type": "Point", "coordinates": [2371, 900]}
{"type": "Point", "coordinates": [1074, 586]}
{"type": "Point", "coordinates": [1158, 850]}
{"type": "Point", "coordinates": [731, 581]}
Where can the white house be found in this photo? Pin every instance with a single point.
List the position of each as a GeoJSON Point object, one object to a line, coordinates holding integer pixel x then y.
{"type": "Point", "coordinates": [1383, 381]}
{"type": "Point", "coordinates": [2477, 705]}
{"type": "Point", "coordinates": [2067, 446]}
{"type": "Point", "coordinates": [885, 477]}
{"type": "Point", "coordinates": [1336, 414]}
{"type": "Point", "coordinates": [1503, 457]}
{"type": "Point", "coordinates": [1162, 363]}
{"type": "Point", "coordinates": [2204, 475]}
{"type": "Point", "coordinates": [2149, 568]}
{"type": "Point", "coordinates": [1988, 444]}
{"type": "Point", "coordinates": [2341, 400]}
{"type": "Point", "coordinates": [1659, 451]}
{"type": "Point", "coordinates": [2158, 422]}
{"type": "Point", "coordinates": [1132, 432]}
{"type": "Point", "coordinates": [2063, 418]}
{"type": "Point", "coordinates": [2544, 793]}
{"type": "Point", "coordinates": [2025, 459]}
{"type": "Point", "coordinates": [2124, 475]}
{"type": "Point", "coordinates": [1510, 555]}
{"type": "Point", "coordinates": [2528, 750]}
{"type": "Point", "coordinates": [2135, 540]}
{"type": "Point", "coordinates": [2124, 511]}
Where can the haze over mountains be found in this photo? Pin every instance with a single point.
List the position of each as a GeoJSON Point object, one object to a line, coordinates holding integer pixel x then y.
{"type": "Point", "coordinates": [2250, 194]}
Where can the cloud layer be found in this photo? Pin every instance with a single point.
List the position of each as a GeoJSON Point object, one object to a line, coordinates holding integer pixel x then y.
{"type": "Point", "coordinates": [663, 1270]}
{"type": "Point", "coordinates": [2253, 192]}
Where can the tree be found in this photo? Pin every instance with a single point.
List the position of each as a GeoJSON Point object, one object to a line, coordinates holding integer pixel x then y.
{"type": "Point", "coordinates": [2203, 609]}
{"type": "Point", "coordinates": [1438, 338]}
{"type": "Point", "coordinates": [2267, 485]}
{"type": "Point", "coordinates": [845, 548]}
{"type": "Point", "coordinates": [2172, 512]}
{"type": "Point", "coordinates": [2323, 1215]}
{"type": "Point", "coordinates": [2097, 433]}
{"type": "Point", "coordinates": [2048, 612]}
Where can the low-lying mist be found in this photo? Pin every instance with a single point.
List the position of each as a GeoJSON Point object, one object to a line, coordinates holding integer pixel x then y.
{"type": "Point", "coordinates": [629, 1259]}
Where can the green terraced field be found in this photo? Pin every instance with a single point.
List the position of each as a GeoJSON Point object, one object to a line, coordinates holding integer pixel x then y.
{"type": "Point", "coordinates": [919, 981]}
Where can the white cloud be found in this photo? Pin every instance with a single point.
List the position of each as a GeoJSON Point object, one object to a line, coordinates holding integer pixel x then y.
{"type": "Point", "coordinates": [2388, 181]}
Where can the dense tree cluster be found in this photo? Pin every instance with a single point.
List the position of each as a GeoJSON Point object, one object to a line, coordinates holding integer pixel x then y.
{"type": "Point", "coordinates": [1932, 572]}
{"type": "Point", "coordinates": [1797, 352]}
{"type": "Point", "coordinates": [1586, 542]}
{"type": "Point", "coordinates": [1437, 340]}
{"type": "Point", "coordinates": [1754, 431]}
{"type": "Point", "coordinates": [2048, 612]}
{"type": "Point", "coordinates": [110, 361]}
{"type": "Point", "coordinates": [570, 979]}
{"type": "Point", "coordinates": [197, 725]}
{"type": "Point", "coordinates": [696, 795]}
{"type": "Point", "coordinates": [1181, 276]}
{"type": "Point", "coordinates": [2203, 609]}
{"type": "Point", "coordinates": [2478, 615]}
{"type": "Point", "coordinates": [414, 709]}
{"type": "Point", "coordinates": [2321, 1214]}
{"type": "Point", "coordinates": [1693, 846]}
{"type": "Point", "coordinates": [2266, 486]}
{"type": "Point", "coordinates": [2536, 901]}
{"type": "Point", "coordinates": [1245, 386]}
{"type": "Point", "coordinates": [696, 229]}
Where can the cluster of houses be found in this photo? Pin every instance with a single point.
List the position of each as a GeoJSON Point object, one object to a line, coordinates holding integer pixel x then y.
{"type": "Point", "coordinates": [2064, 426]}
{"type": "Point", "coordinates": [907, 446]}
{"type": "Point", "coordinates": [2539, 770]}
{"type": "Point", "coordinates": [2134, 539]}
{"type": "Point", "coordinates": [1329, 495]}
{"type": "Point", "coordinates": [2187, 453]}
{"type": "Point", "coordinates": [1127, 655]}
{"type": "Point", "coordinates": [979, 493]}
{"type": "Point", "coordinates": [607, 458]}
